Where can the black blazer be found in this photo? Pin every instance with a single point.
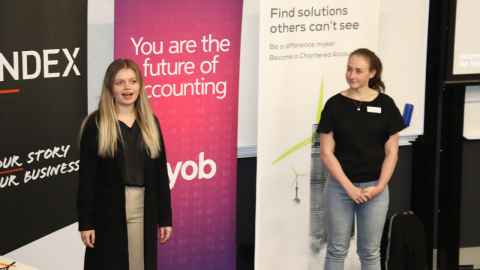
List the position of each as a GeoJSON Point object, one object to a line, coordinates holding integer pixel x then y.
{"type": "Point", "coordinates": [101, 202]}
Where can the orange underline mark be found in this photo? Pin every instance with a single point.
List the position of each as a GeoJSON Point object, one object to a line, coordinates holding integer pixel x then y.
{"type": "Point", "coordinates": [9, 91]}
{"type": "Point", "coordinates": [11, 171]}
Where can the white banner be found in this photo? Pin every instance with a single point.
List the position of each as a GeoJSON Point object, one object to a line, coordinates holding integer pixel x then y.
{"type": "Point", "coordinates": [302, 62]}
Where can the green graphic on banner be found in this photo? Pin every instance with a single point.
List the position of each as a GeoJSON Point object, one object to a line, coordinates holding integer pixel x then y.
{"type": "Point", "coordinates": [306, 141]}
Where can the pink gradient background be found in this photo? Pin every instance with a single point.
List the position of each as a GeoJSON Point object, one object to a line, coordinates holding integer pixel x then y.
{"type": "Point", "coordinates": [204, 210]}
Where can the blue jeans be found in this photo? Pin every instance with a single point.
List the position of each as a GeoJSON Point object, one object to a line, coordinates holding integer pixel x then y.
{"type": "Point", "coordinates": [370, 221]}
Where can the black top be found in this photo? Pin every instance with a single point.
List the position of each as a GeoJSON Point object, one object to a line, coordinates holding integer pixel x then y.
{"type": "Point", "coordinates": [134, 153]}
{"type": "Point", "coordinates": [360, 130]}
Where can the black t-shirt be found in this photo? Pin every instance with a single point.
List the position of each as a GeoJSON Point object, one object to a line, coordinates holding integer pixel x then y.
{"type": "Point", "coordinates": [360, 130]}
{"type": "Point", "coordinates": [134, 154]}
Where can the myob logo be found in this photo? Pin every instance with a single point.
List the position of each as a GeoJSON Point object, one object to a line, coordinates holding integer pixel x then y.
{"type": "Point", "coordinates": [201, 169]}
{"type": "Point", "coordinates": [28, 65]}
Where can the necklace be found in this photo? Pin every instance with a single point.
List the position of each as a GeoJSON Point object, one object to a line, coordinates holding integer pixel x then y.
{"type": "Point", "coordinates": [358, 105]}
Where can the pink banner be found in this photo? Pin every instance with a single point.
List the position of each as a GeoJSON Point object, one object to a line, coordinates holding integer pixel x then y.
{"type": "Point", "coordinates": [189, 53]}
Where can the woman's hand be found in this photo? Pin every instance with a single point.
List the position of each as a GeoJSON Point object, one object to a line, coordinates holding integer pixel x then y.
{"type": "Point", "coordinates": [88, 238]}
{"type": "Point", "coordinates": [164, 234]}
{"type": "Point", "coordinates": [356, 195]}
{"type": "Point", "coordinates": [371, 192]}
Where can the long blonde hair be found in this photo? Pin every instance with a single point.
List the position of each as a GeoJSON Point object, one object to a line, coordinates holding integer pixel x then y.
{"type": "Point", "coordinates": [109, 132]}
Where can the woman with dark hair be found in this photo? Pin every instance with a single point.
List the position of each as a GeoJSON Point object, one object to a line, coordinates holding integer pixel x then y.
{"type": "Point", "coordinates": [124, 194]}
{"type": "Point", "coordinates": [359, 133]}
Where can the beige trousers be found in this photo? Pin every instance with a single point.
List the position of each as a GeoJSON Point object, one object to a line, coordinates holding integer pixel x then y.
{"type": "Point", "coordinates": [134, 210]}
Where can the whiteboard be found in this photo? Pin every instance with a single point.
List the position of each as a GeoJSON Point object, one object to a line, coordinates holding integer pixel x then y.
{"type": "Point", "coordinates": [471, 118]}
{"type": "Point", "coordinates": [403, 50]}
{"type": "Point", "coordinates": [466, 56]}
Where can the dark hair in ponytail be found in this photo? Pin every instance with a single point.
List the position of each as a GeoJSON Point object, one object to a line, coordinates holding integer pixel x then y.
{"type": "Point", "coordinates": [375, 64]}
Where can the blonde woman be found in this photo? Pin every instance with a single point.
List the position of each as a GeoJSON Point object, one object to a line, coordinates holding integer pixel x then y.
{"type": "Point", "coordinates": [123, 195]}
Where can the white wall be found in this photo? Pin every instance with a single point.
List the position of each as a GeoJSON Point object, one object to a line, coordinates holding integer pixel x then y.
{"type": "Point", "coordinates": [247, 110]}
{"type": "Point", "coordinates": [471, 121]}
{"type": "Point", "coordinates": [100, 46]}
{"type": "Point", "coordinates": [403, 50]}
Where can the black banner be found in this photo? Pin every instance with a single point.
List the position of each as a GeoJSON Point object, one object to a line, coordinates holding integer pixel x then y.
{"type": "Point", "coordinates": [43, 99]}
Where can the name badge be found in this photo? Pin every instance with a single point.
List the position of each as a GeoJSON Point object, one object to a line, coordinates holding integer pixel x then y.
{"type": "Point", "coordinates": [372, 109]}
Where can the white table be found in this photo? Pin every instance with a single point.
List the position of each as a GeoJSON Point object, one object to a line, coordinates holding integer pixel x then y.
{"type": "Point", "coordinates": [4, 261]}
